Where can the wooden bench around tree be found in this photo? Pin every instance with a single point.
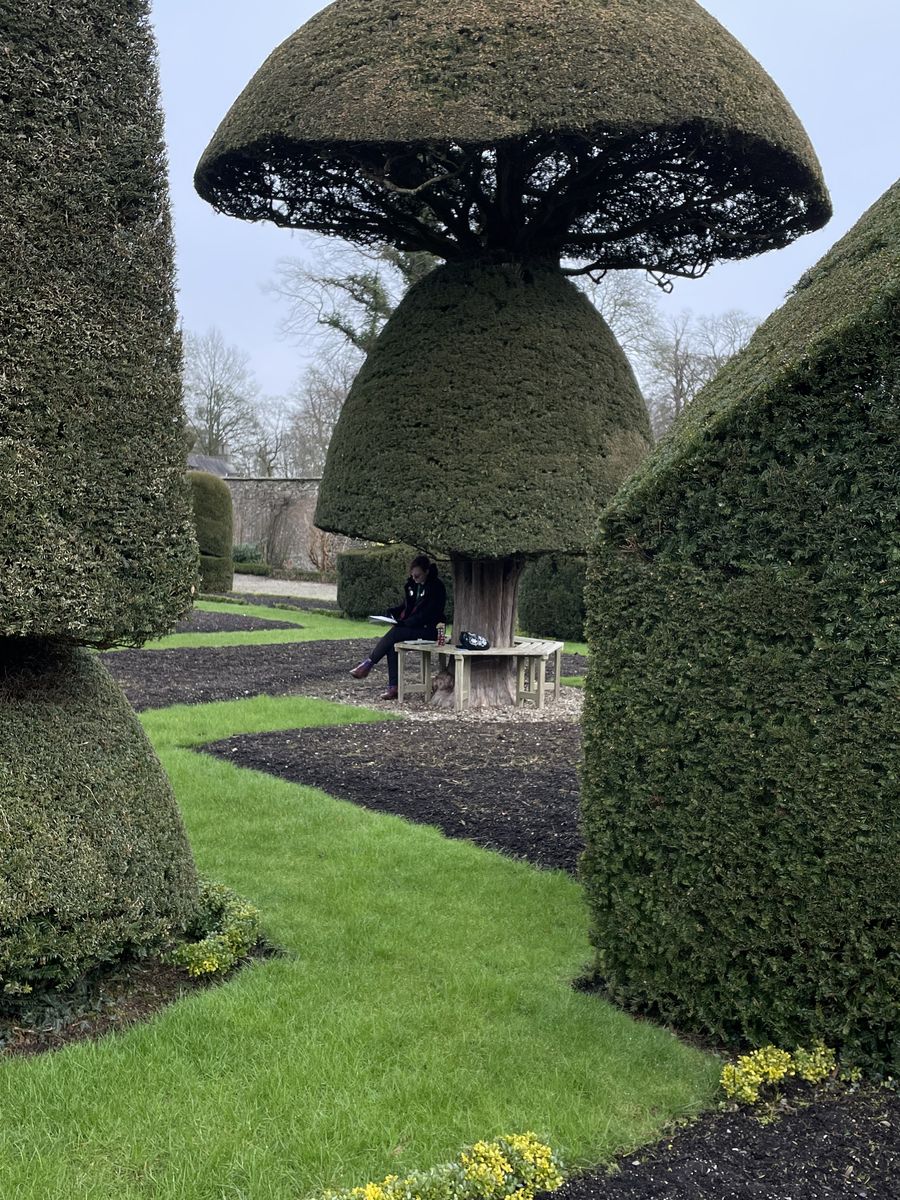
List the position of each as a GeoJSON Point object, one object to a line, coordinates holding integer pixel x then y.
{"type": "Point", "coordinates": [531, 669]}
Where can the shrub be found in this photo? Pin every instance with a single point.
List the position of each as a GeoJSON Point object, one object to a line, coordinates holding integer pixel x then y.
{"type": "Point", "coordinates": [225, 930]}
{"type": "Point", "coordinates": [247, 552]}
{"type": "Point", "coordinates": [95, 860]}
{"type": "Point", "coordinates": [741, 786]}
{"type": "Point", "coordinates": [769, 1066]}
{"type": "Point", "coordinates": [551, 597]}
{"type": "Point", "coordinates": [371, 580]}
{"type": "Point", "coordinates": [95, 526]}
{"type": "Point", "coordinates": [515, 1165]}
{"type": "Point", "coordinates": [213, 518]}
{"type": "Point", "coordinates": [253, 568]}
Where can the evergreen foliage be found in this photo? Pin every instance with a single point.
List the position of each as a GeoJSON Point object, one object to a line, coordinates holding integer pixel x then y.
{"type": "Point", "coordinates": [741, 797]}
{"type": "Point", "coordinates": [400, 120]}
{"type": "Point", "coordinates": [95, 860]}
{"type": "Point", "coordinates": [94, 516]}
{"type": "Point", "coordinates": [214, 521]}
{"type": "Point", "coordinates": [551, 597]}
{"type": "Point", "coordinates": [520, 373]}
{"type": "Point", "coordinates": [371, 580]}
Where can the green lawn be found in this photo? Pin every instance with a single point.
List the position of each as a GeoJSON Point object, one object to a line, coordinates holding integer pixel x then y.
{"type": "Point", "coordinates": [424, 1002]}
{"type": "Point", "coordinates": [310, 627]}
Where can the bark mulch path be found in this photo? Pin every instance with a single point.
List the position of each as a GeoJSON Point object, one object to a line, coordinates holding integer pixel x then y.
{"type": "Point", "coordinates": [198, 675]}
{"type": "Point", "coordinates": [509, 786]}
{"type": "Point", "coordinates": [158, 678]}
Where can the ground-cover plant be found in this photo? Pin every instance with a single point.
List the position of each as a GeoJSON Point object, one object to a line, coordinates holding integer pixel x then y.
{"type": "Point", "coordinates": [763, 1069]}
{"type": "Point", "coordinates": [226, 929]}
{"type": "Point", "coordinates": [424, 1003]}
{"type": "Point", "coordinates": [515, 1165]}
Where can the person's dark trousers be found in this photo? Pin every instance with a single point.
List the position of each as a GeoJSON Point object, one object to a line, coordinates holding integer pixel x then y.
{"type": "Point", "coordinates": [399, 633]}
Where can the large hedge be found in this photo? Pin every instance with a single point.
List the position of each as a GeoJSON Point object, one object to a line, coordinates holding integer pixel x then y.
{"type": "Point", "coordinates": [495, 415]}
{"type": "Point", "coordinates": [535, 126]}
{"type": "Point", "coordinates": [95, 525]}
{"type": "Point", "coordinates": [214, 521]}
{"type": "Point", "coordinates": [551, 597]}
{"type": "Point", "coordinates": [95, 860]}
{"type": "Point", "coordinates": [94, 516]}
{"type": "Point", "coordinates": [742, 731]}
{"type": "Point", "coordinates": [371, 580]}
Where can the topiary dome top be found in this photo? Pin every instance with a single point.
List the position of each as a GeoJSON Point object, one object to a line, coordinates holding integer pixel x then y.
{"type": "Point", "coordinates": [630, 133]}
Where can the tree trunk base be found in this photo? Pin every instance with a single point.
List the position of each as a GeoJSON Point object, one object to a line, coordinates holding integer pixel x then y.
{"type": "Point", "coordinates": [485, 600]}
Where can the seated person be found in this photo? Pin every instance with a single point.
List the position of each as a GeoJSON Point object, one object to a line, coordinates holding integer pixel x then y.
{"type": "Point", "coordinates": [418, 616]}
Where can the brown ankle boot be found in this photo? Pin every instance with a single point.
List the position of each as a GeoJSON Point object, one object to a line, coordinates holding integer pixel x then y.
{"type": "Point", "coordinates": [363, 669]}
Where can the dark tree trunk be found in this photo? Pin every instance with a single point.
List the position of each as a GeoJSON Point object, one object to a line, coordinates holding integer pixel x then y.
{"type": "Point", "coordinates": [485, 600]}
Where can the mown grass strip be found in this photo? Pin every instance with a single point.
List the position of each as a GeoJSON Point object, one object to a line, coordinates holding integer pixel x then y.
{"type": "Point", "coordinates": [425, 1002]}
{"type": "Point", "coordinates": [310, 627]}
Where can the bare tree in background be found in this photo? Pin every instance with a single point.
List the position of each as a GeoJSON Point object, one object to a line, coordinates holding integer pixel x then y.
{"type": "Point", "coordinates": [220, 395]}
{"type": "Point", "coordinates": [683, 357]}
{"type": "Point", "coordinates": [351, 294]}
{"type": "Point", "coordinates": [273, 446]}
{"type": "Point", "coordinates": [315, 405]}
{"type": "Point", "coordinates": [627, 301]}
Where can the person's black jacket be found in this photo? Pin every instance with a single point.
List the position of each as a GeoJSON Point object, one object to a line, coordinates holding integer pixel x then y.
{"type": "Point", "coordinates": [428, 610]}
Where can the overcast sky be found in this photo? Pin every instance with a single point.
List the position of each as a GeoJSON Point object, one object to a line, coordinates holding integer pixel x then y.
{"type": "Point", "coordinates": [835, 60]}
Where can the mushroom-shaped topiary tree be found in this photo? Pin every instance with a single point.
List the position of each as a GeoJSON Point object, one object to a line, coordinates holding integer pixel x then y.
{"type": "Point", "coordinates": [96, 540]}
{"type": "Point", "coordinates": [496, 414]}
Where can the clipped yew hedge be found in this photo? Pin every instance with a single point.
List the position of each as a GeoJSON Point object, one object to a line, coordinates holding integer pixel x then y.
{"type": "Point", "coordinates": [741, 800]}
{"type": "Point", "coordinates": [513, 415]}
{"type": "Point", "coordinates": [214, 522]}
{"type": "Point", "coordinates": [95, 859]}
{"type": "Point", "coordinates": [95, 527]}
{"type": "Point", "coordinates": [551, 597]}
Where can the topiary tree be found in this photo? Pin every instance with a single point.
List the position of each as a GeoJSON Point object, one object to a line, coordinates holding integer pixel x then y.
{"type": "Point", "coordinates": [741, 802]}
{"type": "Point", "coordinates": [214, 522]}
{"type": "Point", "coordinates": [504, 138]}
{"type": "Point", "coordinates": [95, 520]}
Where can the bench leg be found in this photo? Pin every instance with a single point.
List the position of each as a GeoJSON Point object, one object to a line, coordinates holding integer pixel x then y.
{"type": "Point", "coordinates": [520, 681]}
{"type": "Point", "coordinates": [540, 665]}
{"type": "Point", "coordinates": [558, 671]}
{"type": "Point", "coordinates": [401, 674]}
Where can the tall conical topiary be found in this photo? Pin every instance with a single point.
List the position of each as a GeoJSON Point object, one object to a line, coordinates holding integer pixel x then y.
{"type": "Point", "coordinates": [741, 788]}
{"type": "Point", "coordinates": [504, 138]}
{"type": "Point", "coordinates": [95, 526]}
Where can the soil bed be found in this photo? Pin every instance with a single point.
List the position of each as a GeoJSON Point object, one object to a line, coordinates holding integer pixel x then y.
{"type": "Point", "coordinates": [840, 1147]}
{"type": "Point", "coordinates": [201, 621]}
{"type": "Point", "coordinates": [509, 786]}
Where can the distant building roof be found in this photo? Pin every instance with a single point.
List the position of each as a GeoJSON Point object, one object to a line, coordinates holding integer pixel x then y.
{"type": "Point", "coordinates": [215, 466]}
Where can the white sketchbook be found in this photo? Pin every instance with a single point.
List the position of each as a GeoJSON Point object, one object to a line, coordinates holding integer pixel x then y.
{"type": "Point", "coordinates": [383, 620]}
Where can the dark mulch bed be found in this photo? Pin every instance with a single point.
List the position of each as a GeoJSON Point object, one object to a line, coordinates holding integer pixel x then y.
{"type": "Point", "coordinates": [201, 621]}
{"type": "Point", "coordinates": [158, 678]}
{"type": "Point", "coordinates": [841, 1147]}
{"type": "Point", "coordinates": [510, 786]}
{"type": "Point", "coordinates": [106, 1003]}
